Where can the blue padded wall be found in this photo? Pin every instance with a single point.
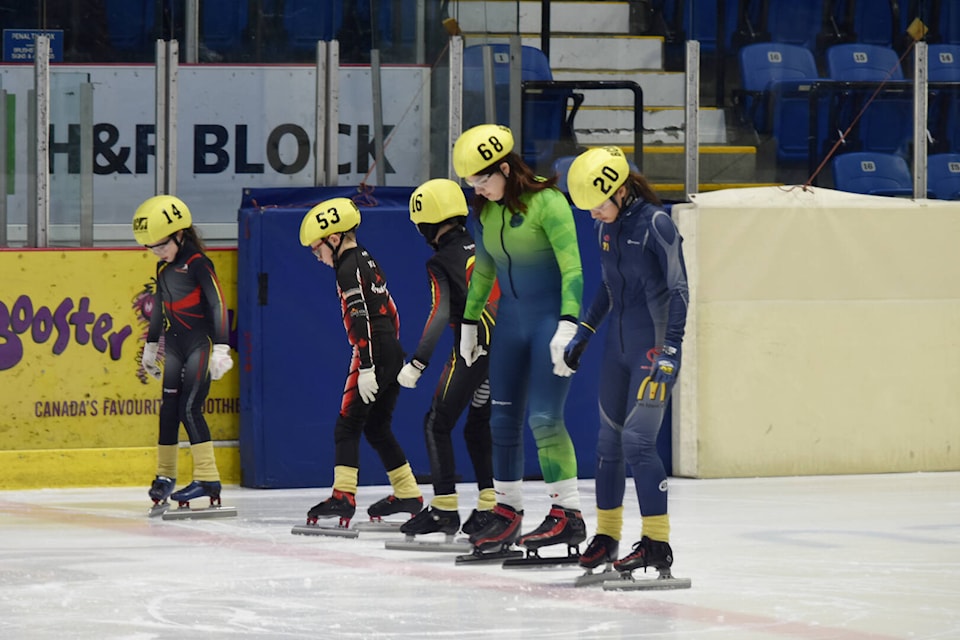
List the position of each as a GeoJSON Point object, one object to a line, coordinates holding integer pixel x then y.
{"type": "Point", "coordinates": [294, 353]}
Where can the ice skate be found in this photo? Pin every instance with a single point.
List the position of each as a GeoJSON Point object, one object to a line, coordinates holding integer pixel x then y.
{"type": "Point", "coordinates": [492, 543]}
{"type": "Point", "coordinates": [647, 554]}
{"type": "Point", "coordinates": [429, 521]}
{"type": "Point", "coordinates": [387, 507]}
{"type": "Point", "coordinates": [477, 521]}
{"type": "Point", "coordinates": [561, 526]}
{"type": "Point", "coordinates": [199, 489]}
{"type": "Point", "coordinates": [159, 491]}
{"type": "Point", "coordinates": [602, 550]}
{"type": "Point", "coordinates": [340, 505]}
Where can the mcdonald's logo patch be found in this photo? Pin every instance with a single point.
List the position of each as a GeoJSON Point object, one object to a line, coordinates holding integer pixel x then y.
{"type": "Point", "coordinates": [654, 388]}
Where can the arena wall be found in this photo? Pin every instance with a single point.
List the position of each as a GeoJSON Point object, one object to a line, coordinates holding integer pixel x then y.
{"type": "Point", "coordinates": [823, 335]}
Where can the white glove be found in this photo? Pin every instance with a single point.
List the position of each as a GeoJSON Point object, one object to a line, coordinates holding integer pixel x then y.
{"type": "Point", "coordinates": [470, 350]}
{"type": "Point", "coordinates": [566, 330]}
{"type": "Point", "coordinates": [149, 359]}
{"type": "Point", "coordinates": [411, 373]}
{"type": "Point", "coordinates": [220, 361]}
{"type": "Point", "coordinates": [367, 385]}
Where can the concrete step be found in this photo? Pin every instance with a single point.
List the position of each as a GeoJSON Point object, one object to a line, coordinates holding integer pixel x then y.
{"type": "Point", "coordinates": [665, 125]}
{"type": "Point", "coordinates": [719, 164]}
{"type": "Point", "coordinates": [660, 88]}
{"type": "Point", "coordinates": [609, 53]}
{"type": "Point", "coordinates": [565, 17]}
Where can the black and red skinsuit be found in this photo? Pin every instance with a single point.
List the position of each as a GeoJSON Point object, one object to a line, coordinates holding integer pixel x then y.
{"type": "Point", "coordinates": [373, 328]}
{"type": "Point", "coordinates": [190, 311]}
{"type": "Point", "coordinates": [448, 271]}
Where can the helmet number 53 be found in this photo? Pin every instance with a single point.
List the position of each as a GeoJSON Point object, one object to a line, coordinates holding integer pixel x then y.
{"type": "Point", "coordinates": [322, 218]}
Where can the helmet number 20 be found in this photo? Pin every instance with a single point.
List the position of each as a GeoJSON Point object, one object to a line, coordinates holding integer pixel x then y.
{"type": "Point", "coordinates": [610, 174]}
{"type": "Point", "coordinates": [322, 217]}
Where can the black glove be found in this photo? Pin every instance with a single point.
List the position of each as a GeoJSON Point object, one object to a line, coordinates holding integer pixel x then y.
{"type": "Point", "coordinates": [577, 345]}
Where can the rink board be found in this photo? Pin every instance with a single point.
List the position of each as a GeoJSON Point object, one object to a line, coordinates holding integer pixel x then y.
{"type": "Point", "coordinates": [822, 335]}
{"type": "Point", "coordinates": [294, 354]}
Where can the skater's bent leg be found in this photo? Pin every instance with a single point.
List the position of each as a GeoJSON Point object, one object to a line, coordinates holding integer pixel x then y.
{"type": "Point", "coordinates": [476, 434]}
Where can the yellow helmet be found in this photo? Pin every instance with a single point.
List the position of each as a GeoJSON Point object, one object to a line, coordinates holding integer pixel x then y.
{"type": "Point", "coordinates": [437, 200]}
{"type": "Point", "coordinates": [479, 147]}
{"type": "Point", "coordinates": [330, 216]}
{"type": "Point", "coordinates": [595, 175]}
{"type": "Point", "coordinates": [159, 217]}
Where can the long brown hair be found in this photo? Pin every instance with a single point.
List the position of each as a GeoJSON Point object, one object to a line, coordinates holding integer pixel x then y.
{"type": "Point", "coordinates": [521, 180]}
{"type": "Point", "coordinates": [191, 234]}
{"type": "Point", "coordinates": [639, 187]}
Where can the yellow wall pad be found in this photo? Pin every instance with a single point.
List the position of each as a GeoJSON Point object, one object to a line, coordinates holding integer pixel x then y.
{"type": "Point", "coordinates": [108, 467]}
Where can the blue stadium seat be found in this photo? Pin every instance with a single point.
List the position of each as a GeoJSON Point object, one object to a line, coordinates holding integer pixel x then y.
{"type": "Point", "coordinates": [776, 79]}
{"type": "Point", "coordinates": [944, 104]}
{"type": "Point", "coordinates": [222, 24]}
{"type": "Point", "coordinates": [795, 21]}
{"type": "Point", "coordinates": [879, 174]}
{"type": "Point", "coordinates": [130, 24]}
{"type": "Point", "coordinates": [943, 63]}
{"type": "Point", "coordinates": [943, 176]}
{"type": "Point", "coordinates": [874, 22]}
{"type": "Point", "coordinates": [949, 26]}
{"type": "Point", "coordinates": [544, 114]}
{"type": "Point", "coordinates": [700, 23]}
{"type": "Point", "coordinates": [858, 62]}
{"type": "Point", "coordinates": [886, 126]}
{"type": "Point", "coordinates": [763, 66]}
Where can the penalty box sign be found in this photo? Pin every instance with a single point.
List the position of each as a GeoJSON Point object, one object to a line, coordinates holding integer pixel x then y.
{"type": "Point", "coordinates": [19, 44]}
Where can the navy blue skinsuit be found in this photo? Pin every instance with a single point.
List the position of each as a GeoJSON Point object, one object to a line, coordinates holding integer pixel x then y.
{"type": "Point", "coordinates": [645, 295]}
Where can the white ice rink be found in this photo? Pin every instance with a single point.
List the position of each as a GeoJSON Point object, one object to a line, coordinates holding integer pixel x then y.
{"type": "Point", "coordinates": [814, 558]}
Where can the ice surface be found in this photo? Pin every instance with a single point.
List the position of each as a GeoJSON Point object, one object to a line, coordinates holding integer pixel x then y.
{"type": "Point", "coordinates": [814, 558]}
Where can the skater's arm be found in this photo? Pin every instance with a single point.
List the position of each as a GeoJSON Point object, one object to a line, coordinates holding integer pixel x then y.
{"type": "Point", "coordinates": [439, 316]}
{"type": "Point", "coordinates": [356, 317]}
{"type": "Point", "coordinates": [481, 277]}
{"type": "Point", "coordinates": [670, 254]}
{"type": "Point", "coordinates": [216, 310]}
{"type": "Point", "coordinates": [561, 230]}
{"type": "Point", "coordinates": [156, 313]}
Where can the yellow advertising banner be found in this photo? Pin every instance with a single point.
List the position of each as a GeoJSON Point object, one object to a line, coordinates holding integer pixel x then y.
{"type": "Point", "coordinates": [73, 323]}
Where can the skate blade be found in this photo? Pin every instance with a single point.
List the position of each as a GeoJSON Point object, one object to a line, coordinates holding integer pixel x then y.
{"type": "Point", "coordinates": [317, 530]}
{"type": "Point", "coordinates": [383, 526]}
{"type": "Point", "coordinates": [411, 544]}
{"type": "Point", "coordinates": [590, 578]}
{"type": "Point", "coordinates": [532, 562]}
{"type": "Point", "coordinates": [479, 557]}
{"type": "Point", "coordinates": [158, 509]}
{"type": "Point", "coordinates": [629, 583]}
{"type": "Point", "coordinates": [186, 513]}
